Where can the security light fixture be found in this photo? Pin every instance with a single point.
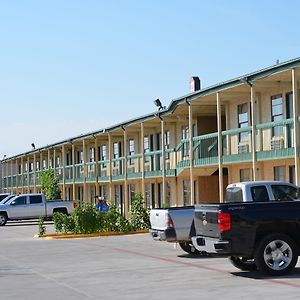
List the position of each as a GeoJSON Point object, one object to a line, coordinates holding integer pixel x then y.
{"type": "Point", "coordinates": [33, 146]}
{"type": "Point", "coordinates": [158, 104]}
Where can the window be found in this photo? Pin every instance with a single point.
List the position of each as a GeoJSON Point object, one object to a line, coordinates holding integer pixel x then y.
{"type": "Point", "coordinates": [245, 175]}
{"type": "Point", "coordinates": [80, 157]}
{"type": "Point", "coordinates": [131, 151]}
{"type": "Point", "coordinates": [284, 192]}
{"type": "Point", "coordinates": [185, 145]}
{"type": "Point", "coordinates": [103, 153]}
{"type": "Point", "coordinates": [20, 200]}
{"type": "Point", "coordinates": [292, 176]}
{"type": "Point", "coordinates": [279, 173]}
{"type": "Point", "coordinates": [92, 154]}
{"type": "Point", "coordinates": [35, 199]}
{"type": "Point", "coordinates": [233, 194]}
{"type": "Point", "coordinates": [146, 148]}
{"type": "Point", "coordinates": [186, 192]}
{"type": "Point", "coordinates": [243, 121]}
{"type": "Point", "coordinates": [148, 195]}
{"type": "Point", "coordinates": [259, 194]}
{"type": "Point", "coordinates": [277, 114]}
{"type": "Point", "coordinates": [167, 144]}
{"type": "Point", "coordinates": [131, 192]}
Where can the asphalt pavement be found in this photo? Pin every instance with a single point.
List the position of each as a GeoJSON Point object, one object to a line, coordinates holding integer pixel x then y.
{"type": "Point", "coordinates": [123, 267]}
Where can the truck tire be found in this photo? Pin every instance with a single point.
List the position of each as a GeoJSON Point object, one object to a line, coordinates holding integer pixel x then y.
{"type": "Point", "coordinates": [243, 263]}
{"type": "Point", "coordinates": [188, 248]}
{"type": "Point", "coordinates": [276, 254]}
{"type": "Point", "coordinates": [3, 219]}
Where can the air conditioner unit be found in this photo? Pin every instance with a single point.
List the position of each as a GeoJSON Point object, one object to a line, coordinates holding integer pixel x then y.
{"type": "Point", "coordinates": [277, 143]}
{"type": "Point", "coordinates": [243, 148]}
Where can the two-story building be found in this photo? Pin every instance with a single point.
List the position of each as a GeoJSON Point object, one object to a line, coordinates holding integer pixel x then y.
{"type": "Point", "coordinates": [243, 129]}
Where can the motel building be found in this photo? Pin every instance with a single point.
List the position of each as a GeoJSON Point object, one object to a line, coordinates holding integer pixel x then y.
{"type": "Point", "coordinates": [242, 129]}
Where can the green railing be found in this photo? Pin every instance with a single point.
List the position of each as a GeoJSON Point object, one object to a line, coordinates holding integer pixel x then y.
{"type": "Point", "coordinates": [79, 173]}
{"type": "Point", "coordinates": [133, 166]}
{"type": "Point", "coordinates": [69, 178]}
{"type": "Point", "coordinates": [103, 167]}
{"type": "Point", "coordinates": [91, 171]}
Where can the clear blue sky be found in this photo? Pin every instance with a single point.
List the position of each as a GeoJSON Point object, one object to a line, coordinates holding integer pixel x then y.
{"type": "Point", "coordinates": [70, 67]}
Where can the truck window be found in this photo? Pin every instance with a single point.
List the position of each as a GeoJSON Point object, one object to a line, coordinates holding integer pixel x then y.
{"type": "Point", "coordinates": [233, 194]}
{"type": "Point", "coordinates": [20, 200]}
{"type": "Point", "coordinates": [284, 192]}
{"type": "Point", "coordinates": [35, 199]}
{"type": "Point", "coordinates": [259, 194]}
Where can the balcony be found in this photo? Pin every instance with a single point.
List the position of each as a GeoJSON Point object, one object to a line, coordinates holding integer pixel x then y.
{"type": "Point", "coordinates": [273, 140]}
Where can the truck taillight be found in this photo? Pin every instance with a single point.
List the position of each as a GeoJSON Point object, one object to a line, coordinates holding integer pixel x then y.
{"type": "Point", "coordinates": [169, 221]}
{"type": "Point", "coordinates": [224, 221]}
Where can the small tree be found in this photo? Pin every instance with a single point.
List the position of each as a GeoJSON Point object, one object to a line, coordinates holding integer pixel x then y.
{"type": "Point", "coordinates": [139, 215]}
{"type": "Point", "coordinates": [49, 183]}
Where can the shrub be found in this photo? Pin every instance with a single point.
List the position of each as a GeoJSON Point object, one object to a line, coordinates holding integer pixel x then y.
{"type": "Point", "coordinates": [58, 221]}
{"type": "Point", "coordinates": [86, 219]}
{"type": "Point", "coordinates": [114, 221]}
{"type": "Point", "coordinates": [42, 227]}
{"type": "Point", "coordinates": [139, 215]}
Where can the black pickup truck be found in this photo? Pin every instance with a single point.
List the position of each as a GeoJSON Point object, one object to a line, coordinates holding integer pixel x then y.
{"type": "Point", "coordinates": [258, 227]}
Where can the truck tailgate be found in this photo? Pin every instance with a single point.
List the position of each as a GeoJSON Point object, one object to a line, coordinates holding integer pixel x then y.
{"type": "Point", "coordinates": [158, 219]}
{"type": "Point", "coordinates": [206, 220]}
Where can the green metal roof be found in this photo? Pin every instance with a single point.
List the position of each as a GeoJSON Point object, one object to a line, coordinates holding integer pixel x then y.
{"type": "Point", "coordinates": [251, 77]}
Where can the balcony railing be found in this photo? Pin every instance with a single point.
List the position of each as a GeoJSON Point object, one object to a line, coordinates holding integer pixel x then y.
{"type": "Point", "coordinates": [273, 140]}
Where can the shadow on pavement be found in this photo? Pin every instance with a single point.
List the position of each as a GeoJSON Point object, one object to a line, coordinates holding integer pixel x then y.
{"type": "Point", "coordinates": [257, 275]}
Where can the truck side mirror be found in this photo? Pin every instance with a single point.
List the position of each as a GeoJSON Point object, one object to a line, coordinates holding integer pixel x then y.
{"type": "Point", "coordinates": [13, 203]}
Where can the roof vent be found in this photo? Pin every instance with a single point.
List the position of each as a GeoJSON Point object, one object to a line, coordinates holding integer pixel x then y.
{"type": "Point", "coordinates": [195, 84]}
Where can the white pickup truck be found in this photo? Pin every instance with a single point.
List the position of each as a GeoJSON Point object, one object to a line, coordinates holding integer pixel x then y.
{"type": "Point", "coordinates": [176, 224]}
{"type": "Point", "coordinates": [31, 206]}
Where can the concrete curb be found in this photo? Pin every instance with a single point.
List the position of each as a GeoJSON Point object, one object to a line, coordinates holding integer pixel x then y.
{"type": "Point", "coordinates": [56, 236]}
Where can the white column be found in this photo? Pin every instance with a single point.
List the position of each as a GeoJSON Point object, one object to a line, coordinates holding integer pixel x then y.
{"type": "Point", "coordinates": [143, 163]}
{"type": "Point", "coordinates": [162, 123]}
{"type": "Point", "coordinates": [191, 152]}
{"type": "Point", "coordinates": [219, 126]}
{"type": "Point", "coordinates": [126, 198]}
{"type": "Point", "coordinates": [253, 133]}
{"type": "Point", "coordinates": [63, 161]}
{"type": "Point", "coordinates": [73, 173]}
{"type": "Point", "coordinates": [110, 168]}
{"type": "Point", "coordinates": [296, 125]}
{"type": "Point", "coordinates": [34, 172]}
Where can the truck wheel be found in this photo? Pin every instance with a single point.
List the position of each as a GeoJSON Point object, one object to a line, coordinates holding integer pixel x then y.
{"type": "Point", "coordinates": [243, 263]}
{"type": "Point", "coordinates": [3, 219]}
{"type": "Point", "coordinates": [188, 248]}
{"type": "Point", "coordinates": [276, 254]}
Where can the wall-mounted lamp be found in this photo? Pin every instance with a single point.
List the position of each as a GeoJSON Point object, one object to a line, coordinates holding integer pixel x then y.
{"type": "Point", "coordinates": [158, 104]}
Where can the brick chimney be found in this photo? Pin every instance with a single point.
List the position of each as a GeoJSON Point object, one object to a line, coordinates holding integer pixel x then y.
{"type": "Point", "coordinates": [195, 84]}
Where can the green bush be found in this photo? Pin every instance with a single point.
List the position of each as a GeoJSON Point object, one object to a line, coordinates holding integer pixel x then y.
{"type": "Point", "coordinates": [115, 221]}
{"type": "Point", "coordinates": [42, 227]}
{"type": "Point", "coordinates": [58, 221]}
{"type": "Point", "coordinates": [86, 219]}
{"type": "Point", "coordinates": [139, 215]}
{"type": "Point", "coordinates": [50, 184]}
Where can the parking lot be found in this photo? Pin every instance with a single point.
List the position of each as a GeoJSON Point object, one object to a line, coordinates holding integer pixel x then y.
{"type": "Point", "coordinates": [122, 267]}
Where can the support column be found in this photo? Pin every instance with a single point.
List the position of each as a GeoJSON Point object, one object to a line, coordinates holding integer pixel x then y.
{"type": "Point", "coordinates": [22, 176]}
{"type": "Point", "coordinates": [63, 161]}
{"type": "Point", "coordinates": [253, 133]}
{"type": "Point", "coordinates": [28, 178]}
{"type": "Point", "coordinates": [142, 163]}
{"type": "Point", "coordinates": [73, 173]}
{"type": "Point", "coordinates": [48, 164]}
{"type": "Point", "coordinates": [162, 123]}
{"type": "Point", "coordinates": [220, 148]}
{"type": "Point", "coordinates": [34, 172]}
{"type": "Point", "coordinates": [126, 198]}
{"type": "Point", "coordinates": [85, 171]}
{"type": "Point", "coordinates": [110, 168]}
{"type": "Point", "coordinates": [96, 165]}
{"type": "Point", "coordinates": [296, 125]}
{"type": "Point", "coordinates": [191, 153]}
